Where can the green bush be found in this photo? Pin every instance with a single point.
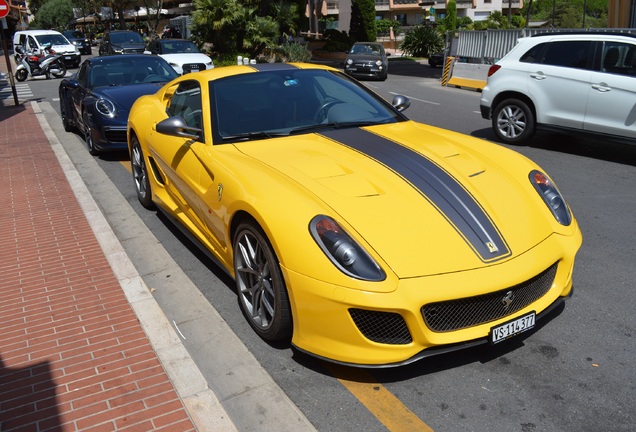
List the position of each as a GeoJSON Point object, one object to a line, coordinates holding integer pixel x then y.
{"type": "Point", "coordinates": [421, 41]}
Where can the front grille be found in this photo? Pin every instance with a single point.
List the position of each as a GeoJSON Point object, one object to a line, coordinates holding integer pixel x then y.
{"type": "Point", "coordinates": [467, 312]}
{"type": "Point", "coordinates": [193, 67]}
{"type": "Point", "coordinates": [381, 327]}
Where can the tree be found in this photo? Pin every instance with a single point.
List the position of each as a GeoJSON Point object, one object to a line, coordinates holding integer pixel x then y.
{"type": "Point", "coordinates": [362, 26]}
{"type": "Point", "coordinates": [54, 14]}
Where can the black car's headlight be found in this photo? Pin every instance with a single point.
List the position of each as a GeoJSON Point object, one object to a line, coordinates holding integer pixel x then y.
{"type": "Point", "coordinates": [105, 108]}
{"type": "Point", "coordinates": [343, 251]}
{"type": "Point", "coordinates": [378, 62]}
{"type": "Point", "coordinates": [551, 196]}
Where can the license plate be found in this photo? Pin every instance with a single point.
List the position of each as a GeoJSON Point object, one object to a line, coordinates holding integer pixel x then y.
{"type": "Point", "coordinates": [512, 328]}
{"type": "Point", "coordinates": [67, 57]}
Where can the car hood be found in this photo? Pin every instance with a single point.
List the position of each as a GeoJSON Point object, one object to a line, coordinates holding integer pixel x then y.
{"type": "Point", "coordinates": [421, 197]}
{"type": "Point", "coordinates": [364, 58]}
{"type": "Point", "coordinates": [183, 58]}
{"type": "Point", "coordinates": [63, 49]}
{"type": "Point", "coordinates": [130, 46]}
{"type": "Point", "coordinates": [125, 95]}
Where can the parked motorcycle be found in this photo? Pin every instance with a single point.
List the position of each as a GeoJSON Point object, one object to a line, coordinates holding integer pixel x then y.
{"type": "Point", "coordinates": [31, 64]}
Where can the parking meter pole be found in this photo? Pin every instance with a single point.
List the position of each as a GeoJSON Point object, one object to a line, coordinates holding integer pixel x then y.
{"type": "Point", "coordinates": [5, 49]}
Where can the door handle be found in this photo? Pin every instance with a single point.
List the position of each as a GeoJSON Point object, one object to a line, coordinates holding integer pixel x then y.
{"type": "Point", "coordinates": [602, 87]}
{"type": "Point", "coordinates": [538, 75]}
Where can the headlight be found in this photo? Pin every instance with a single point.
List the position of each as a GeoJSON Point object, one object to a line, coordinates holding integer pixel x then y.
{"type": "Point", "coordinates": [343, 251]}
{"type": "Point", "coordinates": [349, 62]}
{"type": "Point", "coordinates": [552, 197]}
{"type": "Point", "coordinates": [378, 62]}
{"type": "Point", "coordinates": [105, 108]}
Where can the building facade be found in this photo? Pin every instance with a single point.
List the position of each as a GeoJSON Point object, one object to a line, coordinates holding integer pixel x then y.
{"type": "Point", "coordinates": [414, 12]}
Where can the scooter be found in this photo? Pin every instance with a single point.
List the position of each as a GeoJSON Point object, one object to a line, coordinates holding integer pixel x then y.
{"type": "Point", "coordinates": [31, 64]}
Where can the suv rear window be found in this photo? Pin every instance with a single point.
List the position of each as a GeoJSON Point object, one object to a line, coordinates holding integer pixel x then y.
{"type": "Point", "coordinates": [572, 54]}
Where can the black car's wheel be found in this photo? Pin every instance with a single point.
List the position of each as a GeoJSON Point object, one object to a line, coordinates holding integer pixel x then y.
{"type": "Point", "coordinates": [513, 121]}
{"type": "Point", "coordinates": [88, 137]}
{"type": "Point", "coordinates": [260, 285]}
{"type": "Point", "coordinates": [140, 174]}
{"type": "Point", "coordinates": [65, 121]}
{"type": "Point", "coordinates": [21, 75]}
{"type": "Point", "coordinates": [58, 68]}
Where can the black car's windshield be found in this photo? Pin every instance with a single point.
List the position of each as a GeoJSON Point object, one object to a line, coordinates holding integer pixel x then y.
{"type": "Point", "coordinates": [126, 37]}
{"type": "Point", "coordinates": [125, 70]}
{"type": "Point", "coordinates": [292, 101]}
{"type": "Point", "coordinates": [76, 34]}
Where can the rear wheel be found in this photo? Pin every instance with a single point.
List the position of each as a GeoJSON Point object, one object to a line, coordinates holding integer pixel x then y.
{"type": "Point", "coordinates": [140, 174]}
{"type": "Point", "coordinates": [65, 121]}
{"type": "Point", "coordinates": [260, 284]}
{"type": "Point", "coordinates": [513, 121]}
{"type": "Point", "coordinates": [58, 68]}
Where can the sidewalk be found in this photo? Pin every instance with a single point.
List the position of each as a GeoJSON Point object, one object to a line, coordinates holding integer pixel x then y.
{"type": "Point", "coordinates": [74, 353]}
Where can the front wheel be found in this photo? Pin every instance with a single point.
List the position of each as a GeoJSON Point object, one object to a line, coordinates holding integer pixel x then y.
{"type": "Point", "coordinates": [88, 137]}
{"type": "Point", "coordinates": [58, 68]}
{"type": "Point", "coordinates": [21, 75]}
{"type": "Point", "coordinates": [140, 174]}
{"type": "Point", "coordinates": [513, 121]}
{"type": "Point", "coordinates": [260, 285]}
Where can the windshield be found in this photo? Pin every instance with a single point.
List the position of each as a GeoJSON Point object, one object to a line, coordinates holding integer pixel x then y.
{"type": "Point", "coordinates": [283, 102]}
{"type": "Point", "coordinates": [74, 34]}
{"type": "Point", "coordinates": [52, 39]}
{"type": "Point", "coordinates": [368, 49]}
{"type": "Point", "coordinates": [127, 70]}
{"type": "Point", "coordinates": [126, 37]}
{"type": "Point", "coordinates": [178, 46]}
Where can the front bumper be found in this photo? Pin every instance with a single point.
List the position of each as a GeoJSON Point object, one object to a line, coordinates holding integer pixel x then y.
{"type": "Point", "coordinates": [364, 71]}
{"type": "Point", "coordinates": [71, 59]}
{"type": "Point", "coordinates": [485, 112]}
{"type": "Point", "coordinates": [327, 322]}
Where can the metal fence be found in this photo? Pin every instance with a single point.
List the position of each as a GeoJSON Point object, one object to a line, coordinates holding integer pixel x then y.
{"type": "Point", "coordinates": [487, 46]}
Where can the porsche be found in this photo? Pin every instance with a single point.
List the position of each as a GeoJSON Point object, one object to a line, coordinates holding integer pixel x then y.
{"type": "Point", "coordinates": [97, 99]}
{"type": "Point", "coordinates": [357, 235]}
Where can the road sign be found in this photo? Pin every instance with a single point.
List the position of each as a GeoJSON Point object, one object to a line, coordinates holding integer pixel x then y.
{"type": "Point", "coordinates": [4, 8]}
{"type": "Point", "coordinates": [432, 10]}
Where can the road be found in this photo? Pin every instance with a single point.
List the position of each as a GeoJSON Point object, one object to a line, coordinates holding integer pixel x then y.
{"type": "Point", "coordinates": [575, 373]}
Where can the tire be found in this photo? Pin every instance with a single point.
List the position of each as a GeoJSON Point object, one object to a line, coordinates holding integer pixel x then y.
{"type": "Point", "coordinates": [65, 122]}
{"type": "Point", "coordinates": [140, 174]}
{"type": "Point", "coordinates": [21, 75]}
{"type": "Point", "coordinates": [88, 137]}
{"type": "Point", "coordinates": [58, 68]}
{"type": "Point", "coordinates": [260, 285]}
{"type": "Point", "coordinates": [513, 122]}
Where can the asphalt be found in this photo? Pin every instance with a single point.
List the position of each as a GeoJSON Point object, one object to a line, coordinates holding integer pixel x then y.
{"type": "Point", "coordinates": [90, 339]}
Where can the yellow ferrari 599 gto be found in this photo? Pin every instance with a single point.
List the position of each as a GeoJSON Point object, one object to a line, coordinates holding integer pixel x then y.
{"type": "Point", "coordinates": [360, 236]}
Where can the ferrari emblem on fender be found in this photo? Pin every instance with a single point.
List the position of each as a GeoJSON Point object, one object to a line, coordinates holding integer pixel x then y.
{"type": "Point", "coordinates": [491, 247]}
{"type": "Point", "coordinates": [507, 300]}
{"type": "Point", "coordinates": [219, 191]}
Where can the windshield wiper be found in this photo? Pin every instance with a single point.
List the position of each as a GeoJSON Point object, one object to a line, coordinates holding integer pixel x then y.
{"type": "Point", "coordinates": [252, 135]}
{"type": "Point", "coordinates": [332, 125]}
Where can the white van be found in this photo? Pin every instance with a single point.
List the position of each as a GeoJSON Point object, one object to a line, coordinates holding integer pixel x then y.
{"type": "Point", "coordinates": [36, 40]}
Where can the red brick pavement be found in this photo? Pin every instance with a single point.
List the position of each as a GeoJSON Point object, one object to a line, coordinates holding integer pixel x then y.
{"type": "Point", "coordinates": [73, 355]}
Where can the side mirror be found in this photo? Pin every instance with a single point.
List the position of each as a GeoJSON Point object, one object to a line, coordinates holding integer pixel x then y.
{"type": "Point", "coordinates": [176, 126]}
{"type": "Point", "coordinates": [401, 103]}
{"type": "Point", "coordinates": [388, 54]}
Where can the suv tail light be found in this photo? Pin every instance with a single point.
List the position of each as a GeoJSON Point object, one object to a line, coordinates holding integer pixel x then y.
{"type": "Point", "coordinates": [494, 68]}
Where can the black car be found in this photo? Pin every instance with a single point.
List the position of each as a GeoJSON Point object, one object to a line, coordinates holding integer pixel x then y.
{"type": "Point", "coordinates": [367, 60]}
{"type": "Point", "coordinates": [436, 59]}
{"type": "Point", "coordinates": [122, 42]}
{"type": "Point", "coordinates": [80, 40]}
{"type": "Point", "coordinates": [97, 99]}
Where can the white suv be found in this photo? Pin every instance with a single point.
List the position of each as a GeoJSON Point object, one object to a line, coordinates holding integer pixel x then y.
{"type": "Point", "coordinates": [583, 82]}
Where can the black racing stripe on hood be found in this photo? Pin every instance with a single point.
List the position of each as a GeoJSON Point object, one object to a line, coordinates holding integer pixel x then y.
{"type": "Point", "coordinates": [261, 67]}
{"type": "Point", "coordinates": [441, 189]}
